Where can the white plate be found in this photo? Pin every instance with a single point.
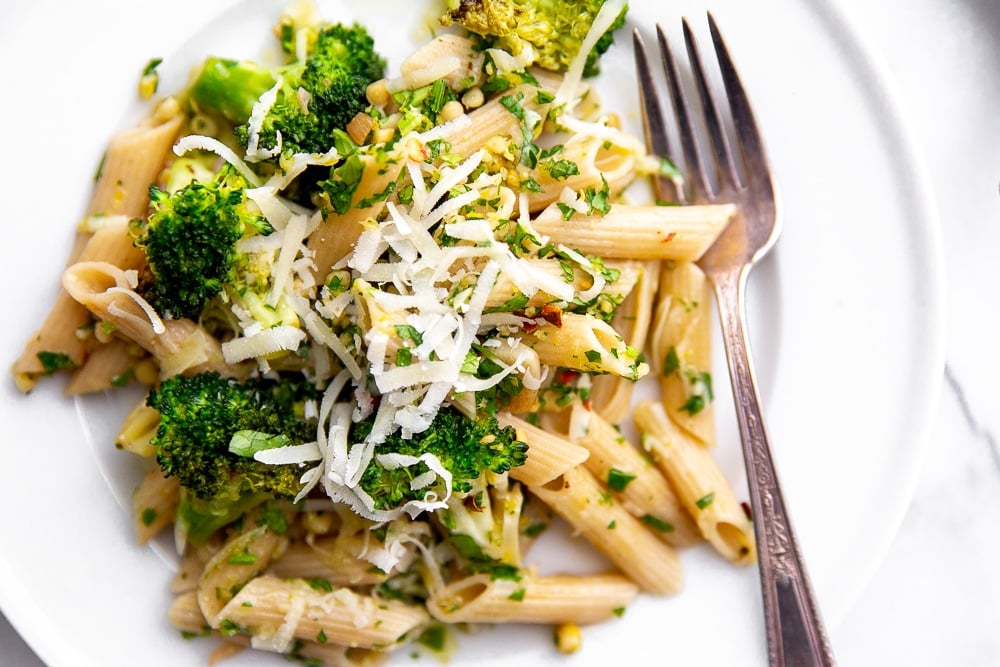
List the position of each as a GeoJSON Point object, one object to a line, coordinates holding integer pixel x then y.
{"type": "Point", "coordinates": [846, 319]}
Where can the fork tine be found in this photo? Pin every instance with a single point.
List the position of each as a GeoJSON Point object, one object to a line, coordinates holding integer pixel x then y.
{"type": "Point", "coordinates": [751, 145]}
{"type": "Point", "coordinates": [697, 177]}
{"type": "Point", "coordinates": [725, 164]}
{"type": "Point", "coordinates": [652, 116]}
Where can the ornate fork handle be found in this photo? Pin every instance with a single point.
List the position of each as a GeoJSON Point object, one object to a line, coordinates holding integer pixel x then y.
{"type": "Point", "coordinates": [795, 635]}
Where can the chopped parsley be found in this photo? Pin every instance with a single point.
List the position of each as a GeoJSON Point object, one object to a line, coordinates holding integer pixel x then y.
{"type": "Point", "coordinates": [409, 332]}
{"type": "Point", "coordinates": [619, 479]}
{"type": "Point", "coordinates": [245, 558]}
{"type": "Point", "coordinates": [321, 585]}
{"type": "Point", "coordinates": [705, 500]}
{"type": "Point", "coordinates": [657, 523]}
{"type": "Point", "coordinates": [55, 361]}
{"type": "Point", "coordinates": [671, 362]}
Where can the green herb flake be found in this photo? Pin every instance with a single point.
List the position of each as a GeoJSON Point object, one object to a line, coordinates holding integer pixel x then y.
{"type": "Point", "coordinates": [597, 198]}
{"type": "Point", "coordinates": [245, 558]}
{"type": "Point", "coordinates": [321, 585]}
{"type": "Point", "coordinates": [434, 637]}
{"type": "Point", "coordinates": [619, 479]}
{"type": "Point", "coordinates": [593, 356]}
{"type": "Point", "coordinates": [321, 636]}
{"type": "Point", "coordinates": [151, 66]}
{"type": "Point", "coordinates": [671, 362]}
{"type": "Point", "coordinates": [518, 595]}
{"type": "Point", "coordinates": [668, 169]}
{"type": "Point", "coordinates": [567, 210]}
{"type": "Point", "coordinates": [409, 332]}
{"type": "Point", "coordinates": [55, 361]}
{"type": "Point", "coordinates": [561, 169]}
{"type": "Point", "coordinates": [657, 523]}
{"type": "Point", "coordinates": [705, 500]}
{"type": "Point", "coordinates": [544, 97]}
{"type": "Point", "coordinates": [535, 529]}
{"type": "Point", "coordinates": [148, 516]}
{"type": "Point", "coordinates": [618, 611]}
{"type": "Point", "coordinates": [404, 356]}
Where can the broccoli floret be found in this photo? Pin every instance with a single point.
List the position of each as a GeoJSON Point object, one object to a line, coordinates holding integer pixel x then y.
{"type": "Point", "coordinates": [199, 417]}
{"type": "Point", "coordinates": [190, 241]}
{"type": "Point", "coordinates": [317, 96]}
{"type": "Point", "coordinates": [554, 29]}
{"type": "Point", "coordinates": [484, 528]}
{"type": "Point", "coordinates": [467, 448]}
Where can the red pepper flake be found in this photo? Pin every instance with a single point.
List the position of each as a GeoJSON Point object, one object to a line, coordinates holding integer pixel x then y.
{"type": "Point", "coordinates": [746, 510]}
{"type": "Point", "coordinates": [552, 314]}
{"type": "Point", "coordinates": [669, 237]}
{"type": "Point", "coordinates": [530, 326]}
{"type": "Point", "coordinates": [566, 376]}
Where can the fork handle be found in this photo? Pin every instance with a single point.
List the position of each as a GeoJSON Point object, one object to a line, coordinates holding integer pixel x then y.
{"type": "Point", "coordinates": [795, 633]}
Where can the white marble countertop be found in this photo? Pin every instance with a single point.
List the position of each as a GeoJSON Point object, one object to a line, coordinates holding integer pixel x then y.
{"type": "Point", "coordinates": [935, 600]}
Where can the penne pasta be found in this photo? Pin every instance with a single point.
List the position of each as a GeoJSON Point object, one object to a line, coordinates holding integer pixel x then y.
{"type": "Point", "coordinates": [585, 343]}
{"type": "Point", "coordinates": [178, 345]}
{"type": "Point", "coordinates": [681, 233]}
{"type": "Point", "coordinates": [154, 504]}
{"type": "Point", "coordinates": [635, 482]}
{"type": "Point", "coordinates": [551, 599]}
{"type": "Point", "coordinates": [699, 483]}
{"type": "Point", "coordinates": [612, 395]}
{"type": "Point", "coordinates": [549, 455]}
{"type": "Point", "coordinates": [589, 508]}
{"type": "Point", "coordinates": [681, 349]}
{"type": "Point", "coordinates": [185, 615]}
{"type": "Point", "coordinates": [63, 333]}
{"type": "Point", "coordinates": [267, 606]}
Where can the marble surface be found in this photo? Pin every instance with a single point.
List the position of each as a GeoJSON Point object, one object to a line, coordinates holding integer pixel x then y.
{"type": "Point", "coordinates": [935, 599]}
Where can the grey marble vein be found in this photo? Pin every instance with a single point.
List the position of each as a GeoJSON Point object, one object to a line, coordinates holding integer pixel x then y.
{"type": "Point", "coordinates": [980, 431]}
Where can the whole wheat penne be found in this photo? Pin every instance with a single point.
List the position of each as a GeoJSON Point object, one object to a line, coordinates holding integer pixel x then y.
{"type": "Point", "coordinates": [585, 343]}
{"type": "Point", "coordinates": [337, 233]}
{"type": "Point", "coordinates": [628, 231]}
{"type": "Point", "coordinates": [635, 482]}
{"type": "Point", "coordinates": [699, 483]}
{"type": "Point", "coordinates": [61, 332]}
{"type": "Point", "coordinates": [324, 559]}
{"type": "Point", "coordinates": [131, 164]}
{"type": "Point", "coordinates": [185, 615]}
{"type": "Point", "coordinates": [611, 395]}
{"type": "Point", "coordinates": [590, 509]}
{"type": "Point", "coordinates": [549, 455]}
{"type": "Point", "coordinates": [344, 617]}
{"type": "Point", "coordinates": [109, 364]}
{"type": "Point", "coordinates": [681, 349]}
{"type": "Point", "coordinates": [138, 429]}
{"type": "Point", "coordinates": [179, 345]}
{"type": "Point", "coordinates": [533, 598]}
{"type": "Point", "coordinates": [154, 504]}
{"type": "Point", "coordinates": [240, 560]}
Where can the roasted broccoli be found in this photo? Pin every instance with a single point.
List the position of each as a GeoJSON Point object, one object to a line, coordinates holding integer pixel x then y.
{"type": "Point", "coordinates": [317, 96]}
{"type": "Point", "coordinates": [202, 417]}
{"type": "Point", "coordinates": [555, 30]}
{"type": "Point", "coordinates": [484, 528]}
{"type": "Point", "coordinates": [190, 241]}
{"type": "Point", "coordinates": [467, 448]}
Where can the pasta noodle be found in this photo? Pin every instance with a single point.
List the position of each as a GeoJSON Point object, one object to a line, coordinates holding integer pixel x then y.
{"type": "Point", "coordinates": [700, 484]}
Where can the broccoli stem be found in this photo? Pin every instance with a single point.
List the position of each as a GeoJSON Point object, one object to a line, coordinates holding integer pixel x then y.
{"type": "Point", "coordinates": [230, 87]}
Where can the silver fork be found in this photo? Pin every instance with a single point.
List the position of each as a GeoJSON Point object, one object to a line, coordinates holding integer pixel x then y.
{"type": "Point", "coordinates": [795, 633]}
